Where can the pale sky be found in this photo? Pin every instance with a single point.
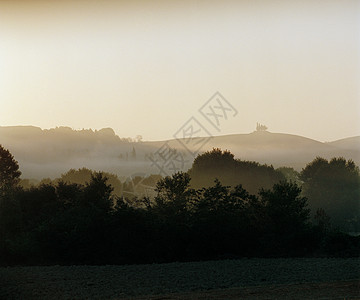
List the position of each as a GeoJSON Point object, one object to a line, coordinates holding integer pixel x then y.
{"type": "Point", "coordinates": [146, 67]}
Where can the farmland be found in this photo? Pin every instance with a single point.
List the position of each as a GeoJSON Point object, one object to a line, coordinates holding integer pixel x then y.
{"type": "Point", "coordinates": [180, 280]}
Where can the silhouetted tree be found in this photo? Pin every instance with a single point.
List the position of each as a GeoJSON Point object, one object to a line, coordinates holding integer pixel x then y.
{"type": "Point", "coordinates": [10, 208]}
{"type": "Point", "coordinates": [133, 153]}
{"type": "Point", "coordinates": [290, 174]}
{"type": "Point", "coordinates": [230, 171]}
{"type": "Point", "coordinates": [68, 193]}
{"type": "Point", "coordinates": [97, 193]}
{"type": "Point", "coordinates": [28, 183]}
{"type": "Point", "coordinates": [335, 187]}
{"type": "Point", "coordinates": [83, 176]}
{"type": "Point", "coordinates": [221, 222]}
{"type": "Point", "coordinates": [286, 216]}
{"type": "Point", "coordinates": [9, 169]}
{"type": "Point", "coordinates": [285, 206]}
{"type": "Point", "coordinates": [174, 192]}
{"type": "Point", "coordinates": [322, 221]}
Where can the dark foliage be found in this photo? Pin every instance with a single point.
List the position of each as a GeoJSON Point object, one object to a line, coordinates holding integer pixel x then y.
{"type": "Point", "coordinates": [334, 186]}
{"type": "Point", "coordinates": [230, 171]}
{"type": "Point", "coordinates": [9, 169]}
{"type": "Point", "coordinates": [69, 223]}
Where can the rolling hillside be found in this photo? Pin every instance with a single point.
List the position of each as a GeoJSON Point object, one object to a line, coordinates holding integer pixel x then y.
{"type": "Point", "coordinates": [48, 153]}
{"type": "Point", "coordinates": [351, 143]}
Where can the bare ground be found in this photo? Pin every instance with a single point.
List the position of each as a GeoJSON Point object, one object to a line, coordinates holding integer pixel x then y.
{"type": "Point", "coordinates": [325, 290]}
{"type": "Point", "coordinates": [286, 278]}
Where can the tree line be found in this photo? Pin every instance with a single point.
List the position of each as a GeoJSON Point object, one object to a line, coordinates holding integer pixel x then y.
{"type": "Point", "coordinates": [70, 223]}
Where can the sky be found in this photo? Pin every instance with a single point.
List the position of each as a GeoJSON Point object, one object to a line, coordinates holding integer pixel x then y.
{"type": "Point", "coordinates": [147, 67]}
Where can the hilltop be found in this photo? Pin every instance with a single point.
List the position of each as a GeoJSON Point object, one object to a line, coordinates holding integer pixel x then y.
{"type": "Point", "coordinates": [50, 152]}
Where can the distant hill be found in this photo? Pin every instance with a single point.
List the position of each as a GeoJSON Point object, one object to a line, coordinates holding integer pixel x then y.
{"type": "Point", "coordinates": [51, 152]}
{"type": "Point", "coordinates": [351, 143]}
{"type": "Point", "coordinates": [281, 149]}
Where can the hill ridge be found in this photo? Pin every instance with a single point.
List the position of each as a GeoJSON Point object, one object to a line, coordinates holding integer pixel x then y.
{"type": "Point", "coordinates": [50, 152]}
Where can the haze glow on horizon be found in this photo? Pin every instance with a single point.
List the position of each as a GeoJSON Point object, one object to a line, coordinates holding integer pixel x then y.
{"type": "Point", "coordinates": [146, 67]}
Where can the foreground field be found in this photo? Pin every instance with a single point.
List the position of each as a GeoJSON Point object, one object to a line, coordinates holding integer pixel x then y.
{"type": "Point", "coordinates": [325, 290]}
{"type": "Point", "coordinates": [227, 279]}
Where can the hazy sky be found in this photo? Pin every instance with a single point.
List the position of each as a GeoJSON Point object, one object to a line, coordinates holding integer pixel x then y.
{"type": "Point", "coordinates": [146, 67]}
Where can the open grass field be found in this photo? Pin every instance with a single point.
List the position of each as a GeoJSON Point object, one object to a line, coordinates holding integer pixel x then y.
{"type": "Point", "coordinates": [302, 278]}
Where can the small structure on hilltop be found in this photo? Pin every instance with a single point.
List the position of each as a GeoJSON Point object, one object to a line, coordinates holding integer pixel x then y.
{"type": "Point", "coordinates": [261, 127]}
